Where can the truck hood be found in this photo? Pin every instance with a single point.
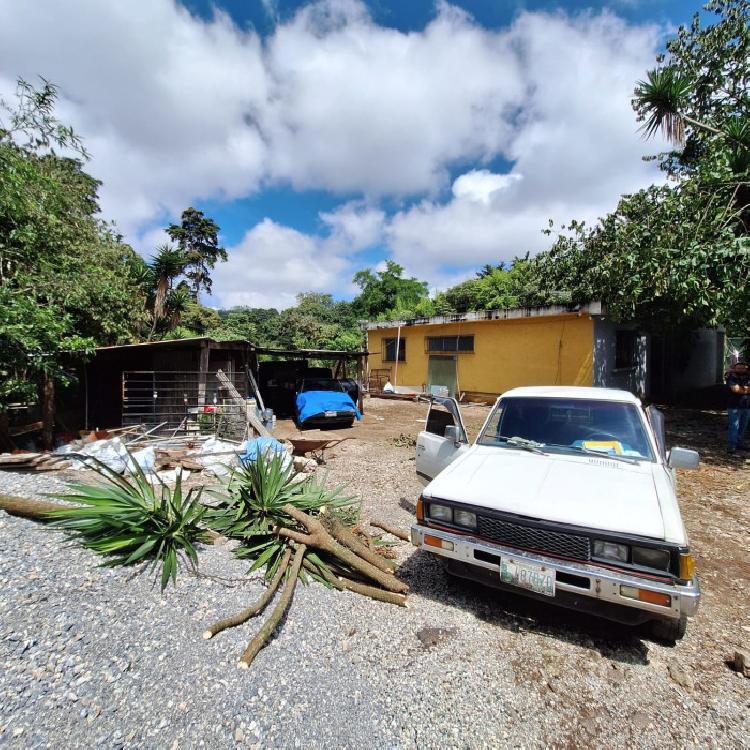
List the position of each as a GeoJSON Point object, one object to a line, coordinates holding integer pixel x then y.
{"type": "Point", "coordinates": [585, 491]}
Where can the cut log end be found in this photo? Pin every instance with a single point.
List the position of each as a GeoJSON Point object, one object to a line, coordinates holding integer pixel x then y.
{"type": "Point", "coordinates": [207, 635]}
{"type": "Point", "coordinates": [243, 665]}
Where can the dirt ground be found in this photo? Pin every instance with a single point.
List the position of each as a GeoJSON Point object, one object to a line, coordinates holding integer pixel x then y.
{"type": "Point", "coordinates": [378, 465]}
{"type": "Point", "coordinates": [462, 666]}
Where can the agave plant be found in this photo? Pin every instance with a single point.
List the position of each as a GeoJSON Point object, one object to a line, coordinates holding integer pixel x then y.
{"type": "Point", "coordinates": [295, 530]}
{"type": "Point", "coordinates": [253, 508]}
{"type": "Point", "coordinates": [128, 520]}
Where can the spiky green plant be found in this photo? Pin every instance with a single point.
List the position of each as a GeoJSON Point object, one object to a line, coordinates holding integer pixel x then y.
{"type": "Point", "coordinates": [253, 506]}
{"type": "Point", "coordinates": [128, 520]}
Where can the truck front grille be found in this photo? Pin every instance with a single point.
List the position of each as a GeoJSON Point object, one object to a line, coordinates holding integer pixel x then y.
{"type": "Point", "coordinates": [530, 538]}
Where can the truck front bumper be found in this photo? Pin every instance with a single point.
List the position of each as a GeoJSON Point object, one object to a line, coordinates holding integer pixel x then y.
{"type": "Point", "coordinates": [579, 586]}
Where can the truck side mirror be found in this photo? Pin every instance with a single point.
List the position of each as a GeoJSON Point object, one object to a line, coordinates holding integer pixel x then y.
{"type": "Point", "coordinates": [452, 433]}
{"type": "Point", "coordinates": [683, 458]}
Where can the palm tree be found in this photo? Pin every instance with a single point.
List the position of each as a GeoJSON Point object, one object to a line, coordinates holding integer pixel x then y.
{"type": "Point", "coordinates": [176, 303]}
{"type": "Point", "coordinates": [661, 101]}
{"type": "Point", "coordinates": [166, 266]}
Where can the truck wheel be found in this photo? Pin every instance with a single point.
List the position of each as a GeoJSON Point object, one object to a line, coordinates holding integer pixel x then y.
{"type": "Point", "coordinates": [670, 630]}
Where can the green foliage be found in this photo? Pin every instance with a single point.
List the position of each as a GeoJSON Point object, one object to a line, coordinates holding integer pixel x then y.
{"type": "Point", "coordinates": [253, 505]}
{"type": "Point", "coordinates": [128, 520]}
{"type": "Point", "coordinates": [678, 255]}
{"type": "Point", "coordinates": [387, 290]}
{"type": "Point", "coordinates": [197, 238]}
{"type": "Point", "coordinates": [50, 235]}
{"type": "Point", "coordinates": [656, 260]}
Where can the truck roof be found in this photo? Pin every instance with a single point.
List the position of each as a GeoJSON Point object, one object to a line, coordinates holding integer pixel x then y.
{"type": "Point", "coordinates": [572, 391]}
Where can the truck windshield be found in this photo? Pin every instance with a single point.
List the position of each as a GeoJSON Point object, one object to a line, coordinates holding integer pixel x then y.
{"type": "Point", "coordinates": [564, 425]}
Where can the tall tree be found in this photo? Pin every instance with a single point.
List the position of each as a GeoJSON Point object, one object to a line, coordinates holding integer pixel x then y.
{"type": "Point", "coordinates": [166, 266]}
{"type": "Point", "coordinates": [50, 234]}
{"type": "Point", "coordinates": [387, 289]}
{"type": "Point", "coordinates": [679, 254]}
{"type": "Point", "coordinates": [197, 237]}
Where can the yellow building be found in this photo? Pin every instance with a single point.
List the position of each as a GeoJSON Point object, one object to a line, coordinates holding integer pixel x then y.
{"type": "Point", "coordinates": [479, 355]}
{"type": "Point", "coordinates": [482, 354]}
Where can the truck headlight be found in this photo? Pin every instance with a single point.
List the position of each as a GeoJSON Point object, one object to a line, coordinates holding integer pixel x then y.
{"type": "Point", "coordinates": [651, 558]}
{"type": "Point", "coordinates": [610, 551]}
{"type": "Point", "coordinates": [465, 518]}
{"type": "Point", "coordinates": [441, 512]}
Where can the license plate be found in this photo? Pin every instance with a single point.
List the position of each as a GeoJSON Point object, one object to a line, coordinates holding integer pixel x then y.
{"type": "Point", "coordinates": [330, 414]}
{"type": "Point", "coordinates": [525, 575]}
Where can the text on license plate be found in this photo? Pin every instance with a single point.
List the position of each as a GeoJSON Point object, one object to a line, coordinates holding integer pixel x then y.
{"type": "Point", "coordinates": [537, 578]}
{"type": "Point", "coordinates": [330, 414]}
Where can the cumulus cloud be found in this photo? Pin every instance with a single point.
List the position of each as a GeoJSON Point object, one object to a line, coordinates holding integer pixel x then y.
{"type": "Point", "coordinates": [272, 263]}
{"type": "Point", "coordinates": [161, 98]}
{"type": "Point", "coordinates": [355, 225]}
{"type": "Point", "coordinates": [176, 109]}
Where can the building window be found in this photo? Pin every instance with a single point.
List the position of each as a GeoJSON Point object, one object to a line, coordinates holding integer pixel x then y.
{"type": "Point", "coordinates": [389, 350]}
{"type": "Point", "coordinates": [626, 349]}
{"type": "Point", "coordinates": [436, 344]}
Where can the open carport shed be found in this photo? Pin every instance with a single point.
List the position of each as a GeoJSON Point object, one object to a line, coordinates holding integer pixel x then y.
{"type": "Point", "coordinates": [164, 382]}
{"type": "Point", "coordinates": [278, 374]}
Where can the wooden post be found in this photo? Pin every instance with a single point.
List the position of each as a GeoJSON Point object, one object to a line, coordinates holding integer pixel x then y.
{"type": "Point", "coordinates": [48, 411]}
{"type": "Point", "coordinates": [361, 381]}
{"type": "Point", "coordinates": [202, 372]}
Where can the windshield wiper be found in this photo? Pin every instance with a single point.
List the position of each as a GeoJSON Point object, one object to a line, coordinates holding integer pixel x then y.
{"type": "Point", "coordinates": [602, 454]}
{"type": "Point", "coordinates": [524, 444]}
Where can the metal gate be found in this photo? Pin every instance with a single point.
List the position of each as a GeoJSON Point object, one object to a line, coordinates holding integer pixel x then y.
{"type": "Point", "coordinates": [186, 403]}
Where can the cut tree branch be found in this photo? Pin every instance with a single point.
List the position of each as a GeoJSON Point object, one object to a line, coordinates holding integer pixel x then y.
{"type": "Point", "coordinates": [257, 643]}
{"type": "Point", "coordinates": [390, 529]}
{"type": "Point", "coordinates": [321, 539]}
{"type": "Point", "coordinates": [254, 609]}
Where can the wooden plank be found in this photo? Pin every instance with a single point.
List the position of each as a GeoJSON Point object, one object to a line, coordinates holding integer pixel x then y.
{"type": "Point", "coordinates": [235, 395]}
{"type": "Point", "coordinates": [255, 388]}
{"type": "Point", "coordinates": [202, 372]}
{"type": "Point", "coordinates": [23, 429]}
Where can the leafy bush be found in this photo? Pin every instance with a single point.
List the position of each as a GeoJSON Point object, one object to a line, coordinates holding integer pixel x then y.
{"type": "Point", "coordinates": [128, 520]}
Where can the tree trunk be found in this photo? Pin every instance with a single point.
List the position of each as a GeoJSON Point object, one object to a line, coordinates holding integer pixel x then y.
{"type": "Point", "coordinates": [48, 411]}
{"type": "Point", "coordinates": [253, 609]}
{"type": "Point", "coordinates": [36, 510]}
{"type": "Point", "coordinates": [390, 529]}
{"type": "Point", "coordinates": [344, 536]}
{"type": "Point", "coordinates": [270, 624]}
{"type": "Point", "coordinates": [318, 537]}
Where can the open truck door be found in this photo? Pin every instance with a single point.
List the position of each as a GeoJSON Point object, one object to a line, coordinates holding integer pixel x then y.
{"type": "Point", "coordinates": [443, 439]}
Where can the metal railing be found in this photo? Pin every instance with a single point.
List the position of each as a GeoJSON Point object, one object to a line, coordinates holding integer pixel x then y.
{"type": "Point", "coordinates": [176, 402]}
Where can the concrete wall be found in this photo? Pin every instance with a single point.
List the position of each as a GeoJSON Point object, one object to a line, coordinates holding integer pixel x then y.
{"type": "Point", "coordinates": [606, 374]}
{"type": "Point", "coordinates": [550, 350]}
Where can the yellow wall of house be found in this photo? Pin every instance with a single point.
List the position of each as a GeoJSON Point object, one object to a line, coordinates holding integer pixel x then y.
{"type": "Point", "coordinates": [507, 353]}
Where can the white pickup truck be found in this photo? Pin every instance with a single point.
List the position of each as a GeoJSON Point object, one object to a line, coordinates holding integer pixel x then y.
{"type": "Point", "coordinates": [567, 495]}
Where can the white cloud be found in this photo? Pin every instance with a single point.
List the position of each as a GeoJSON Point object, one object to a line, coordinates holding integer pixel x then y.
{"type": "Point", "coordinates": [176, 109]}
{"type": "Point", "coordinates": [359, 107]}
{"type": "Point", "coordinates": [575, 144]}
{"type": "Point", "coordinates": [481, 185]}
{"type": "Point", "coordinates": [160, 97]}
{"type": "Point", "coordinates": [355, 225]}
{"type": "Point", "coordinates": [272, 263]}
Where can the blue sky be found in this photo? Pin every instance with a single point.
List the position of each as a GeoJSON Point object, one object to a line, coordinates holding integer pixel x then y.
{"type": "Point", "coordinates": [328, 136]}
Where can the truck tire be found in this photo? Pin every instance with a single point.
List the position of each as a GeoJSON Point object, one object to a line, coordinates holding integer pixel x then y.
{"type": "Point", "coordinates": [670, 631]}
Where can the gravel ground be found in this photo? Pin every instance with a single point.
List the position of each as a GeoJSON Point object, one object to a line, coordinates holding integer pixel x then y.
{"type": "Point", "coordinates": [97, 657]}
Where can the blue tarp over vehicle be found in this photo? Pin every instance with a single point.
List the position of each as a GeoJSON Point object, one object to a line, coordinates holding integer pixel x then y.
{"type": "Point", "coordinates": [315, 403]}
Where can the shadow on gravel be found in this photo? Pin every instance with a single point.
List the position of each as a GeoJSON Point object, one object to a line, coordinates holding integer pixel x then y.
{"type": "Point", "coordinates": [514, 613]}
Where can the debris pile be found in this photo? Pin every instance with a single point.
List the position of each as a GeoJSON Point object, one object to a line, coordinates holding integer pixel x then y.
{"type": "Point", "coordinates": [158, 457]}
